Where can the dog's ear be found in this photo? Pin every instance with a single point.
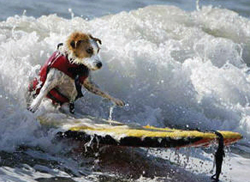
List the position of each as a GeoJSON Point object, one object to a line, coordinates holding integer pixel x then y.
{"type": "Point", "coordinates": [95, 39]}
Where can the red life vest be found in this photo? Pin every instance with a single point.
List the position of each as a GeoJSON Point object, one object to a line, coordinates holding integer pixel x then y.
{"type": "Point", "coordinates": [60, 62]}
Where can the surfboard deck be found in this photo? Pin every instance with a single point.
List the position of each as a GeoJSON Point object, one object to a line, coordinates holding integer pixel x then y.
{"type": "Point", "coordinates": [110, 132]}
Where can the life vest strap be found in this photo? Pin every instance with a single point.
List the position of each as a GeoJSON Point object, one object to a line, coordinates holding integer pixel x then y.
{"type": "Point", "coordinates": [57, 97]}
{"type": "Point", "coordinates": [78, 87]}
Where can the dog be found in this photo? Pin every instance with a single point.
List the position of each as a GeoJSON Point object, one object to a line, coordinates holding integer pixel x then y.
{"type": "Point", "coordinates": [66, 71]}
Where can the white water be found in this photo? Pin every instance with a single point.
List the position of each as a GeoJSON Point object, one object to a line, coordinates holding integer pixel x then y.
{"type": "Point", "coordinates": [172, 67]}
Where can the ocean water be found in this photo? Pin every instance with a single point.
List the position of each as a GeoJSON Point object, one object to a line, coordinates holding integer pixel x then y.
{"type": "Point", "coordinates": [179, 63]}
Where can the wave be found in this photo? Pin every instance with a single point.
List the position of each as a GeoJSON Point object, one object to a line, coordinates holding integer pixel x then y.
{"type": "Point", "coordinates": [171, 67]}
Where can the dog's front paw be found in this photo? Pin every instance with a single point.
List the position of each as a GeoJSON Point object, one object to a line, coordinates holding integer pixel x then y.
{"type": "Point", "coordinates": [33, 107]}
{"type": "Point", "coordinates": [118, 102]}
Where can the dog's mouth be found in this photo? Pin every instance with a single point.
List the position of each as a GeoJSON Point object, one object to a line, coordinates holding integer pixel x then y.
{"type": "Point", "coordinates": [93, 63]}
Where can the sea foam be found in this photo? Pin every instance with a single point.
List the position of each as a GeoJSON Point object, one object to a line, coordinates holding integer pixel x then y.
{"type": "Point", "coordinates": [172, 67]}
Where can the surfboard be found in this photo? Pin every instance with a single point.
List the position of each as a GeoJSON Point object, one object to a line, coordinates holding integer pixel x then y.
{"type": "Point", "coordinates": [110, 132]}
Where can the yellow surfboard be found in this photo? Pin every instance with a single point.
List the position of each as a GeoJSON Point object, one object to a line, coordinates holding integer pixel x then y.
{"type": "Point", "coordinates": [109, 132]}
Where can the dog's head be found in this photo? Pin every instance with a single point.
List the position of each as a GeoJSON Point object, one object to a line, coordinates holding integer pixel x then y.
{"type": "Point", "coordinates": [84, 49]}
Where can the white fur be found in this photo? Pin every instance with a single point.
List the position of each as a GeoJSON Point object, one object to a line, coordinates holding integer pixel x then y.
{"type": "Point", "coordinates": [92, 62]}
{"type": "Point", "coordinates": [95, 46]}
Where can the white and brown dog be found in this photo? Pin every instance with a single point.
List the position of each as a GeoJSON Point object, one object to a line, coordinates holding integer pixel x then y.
{"type": "Point", "coordinates": [62, 76]}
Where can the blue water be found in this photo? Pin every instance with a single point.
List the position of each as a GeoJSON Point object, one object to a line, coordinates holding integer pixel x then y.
{"type": "Point", "coordinates": [97, 8]}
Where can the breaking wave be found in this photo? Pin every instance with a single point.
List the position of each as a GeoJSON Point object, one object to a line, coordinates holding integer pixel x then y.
{"type": "Point", "coordinates": [171, 67]}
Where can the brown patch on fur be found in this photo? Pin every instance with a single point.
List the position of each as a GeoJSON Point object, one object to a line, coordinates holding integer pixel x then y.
{"type": "Point", "coordinates": [79, 43]}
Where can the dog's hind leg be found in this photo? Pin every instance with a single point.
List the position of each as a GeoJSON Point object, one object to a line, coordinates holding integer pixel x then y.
{"type": "Point", "coordinates": [50, 83]}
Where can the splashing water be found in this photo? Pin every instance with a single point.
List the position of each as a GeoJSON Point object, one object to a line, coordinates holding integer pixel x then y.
{"type": "Point", "coordinates": [111, 110]}
{"type": "Point", "coordinates": [198, 5]}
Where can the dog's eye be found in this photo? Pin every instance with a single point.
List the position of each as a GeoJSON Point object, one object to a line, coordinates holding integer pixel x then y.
{"type": "Point", "coordinates": [89, 50]}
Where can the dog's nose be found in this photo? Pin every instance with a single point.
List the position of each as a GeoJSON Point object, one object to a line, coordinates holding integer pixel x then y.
{"type": "Point", "coordinates": [99, 65]}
